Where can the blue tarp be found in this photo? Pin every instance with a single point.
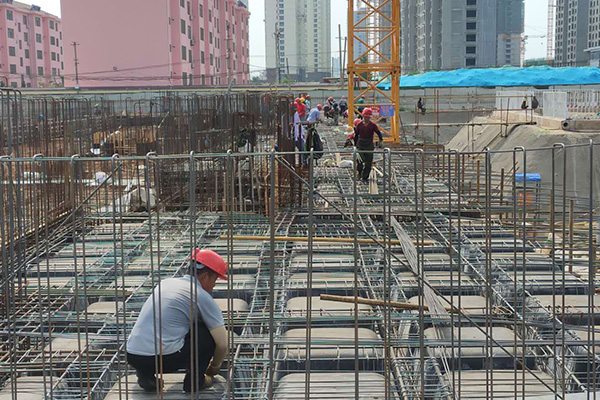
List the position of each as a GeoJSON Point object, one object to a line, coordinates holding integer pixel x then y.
{"type": "Point", "coordinates": [504, 77]}
{"type": "Point", "coordinates": [529, 177]}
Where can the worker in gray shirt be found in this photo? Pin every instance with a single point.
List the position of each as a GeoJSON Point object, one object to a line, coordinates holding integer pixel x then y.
{"type": "Point", "coordinates": [181, 316]}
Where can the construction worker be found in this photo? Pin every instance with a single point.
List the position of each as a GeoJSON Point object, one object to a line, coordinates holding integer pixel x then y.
{"type": "Point", "coordinates": [163, 327]}
{"type": "Point", "coordinates": [343, 105]}
{"type": "Point", "coordinates": [301, 109]}
{"type": "Point", "coordinates": [314, 115]}
{"type": "Point", "coordinates": [307, 101]}
{"type": "Point", "coordinates": [359, 102]}
{"type": "Point", "coordinates": [363, 137]}
{"type": "Point", "coordinates": [420, 107]}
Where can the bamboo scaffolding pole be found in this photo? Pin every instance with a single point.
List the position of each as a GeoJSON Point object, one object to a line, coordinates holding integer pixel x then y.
{"type": "Point", "coordinates": [393, 304]}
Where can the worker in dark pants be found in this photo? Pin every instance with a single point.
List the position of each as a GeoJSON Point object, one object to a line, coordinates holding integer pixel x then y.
{"type": "Point", "coordinates": [363, 137]}
{"type": "Point", "coordinates": [163, 327]}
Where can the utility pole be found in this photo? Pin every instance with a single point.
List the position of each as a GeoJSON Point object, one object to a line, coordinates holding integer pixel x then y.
{"type": "Point", "coordinates": [344, 61]}
{"type": "Point", "coordinates": [287, 68]}
{"type": "Point", "coordinates": [340, 55]}
{"type": "Point", "coordinates": [277, 35]}
{"type": "Point", "coordinates": [75, 44]}
{"type": "Point", "coordinates": [229, 77]}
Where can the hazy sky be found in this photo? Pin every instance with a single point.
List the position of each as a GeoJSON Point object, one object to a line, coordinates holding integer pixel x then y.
{"type": "Point", "coordinates": [536, 12]}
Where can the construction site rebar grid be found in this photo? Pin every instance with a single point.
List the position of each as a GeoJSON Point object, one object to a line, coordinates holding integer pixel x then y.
{"type": "Point", "coordinates": [444, 277]}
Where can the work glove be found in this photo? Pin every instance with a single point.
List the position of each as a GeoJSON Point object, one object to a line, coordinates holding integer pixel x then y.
{"type": "Point", "coordinates": [380, 144]}
{"type": "Point", "coordinates": [212, 370]}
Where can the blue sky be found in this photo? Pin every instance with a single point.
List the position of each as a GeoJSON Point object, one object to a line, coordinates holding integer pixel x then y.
{"type": "Point", "coordinates": [536, 12]}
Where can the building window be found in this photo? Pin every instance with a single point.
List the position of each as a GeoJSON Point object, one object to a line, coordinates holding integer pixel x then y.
{"type": "Point", "coordinates": [210, 37]}
{"type": "Point", "coordinates": [26, 37]}
{"type": "Point", "coordinates": [202, 57]}
{"type": "Point", "coordinates": [27, 53]}
{"type": "Point", "coordinates": [471, 2]}
{"type": "Point", "coordinates": [25, 20]}
{"type": "Point", "coordinates": [12, 51]}
{"type": "Point", "coordinates": [38, 21]}
{"type": "Point", "coordinates": [471, 38]}
{"type": "Point", "coordinates": [21, 61]}
{"type": "Point", "coordinates": [51, 23]}
{"type": "Point", "coordinates": [9, 15]}
{"type": "Point", "coordinates": [11, 33]}
{"type": "Point", "coordinates": [53, 56]}
{"type": "Point", "coordinates": [28, 70]}
{"type": "Point", "coordinates": [190, 59]}
{"type": "Point", "coordinates": [201, 10]}
{"type": "Point", "coordinates": [183, 53]}
{"type": "Point", "coordinates": [182, 3]}
{"type": "Point", "coordinates": [40, 55]}
{"type": "Point", "coordinates": [13, 68]}
{"type": "Point", "coordinates": [40, 71]}
{"type": "Point", "coordinates": [183, 26]}
{"type": "Point", "coordinates": [53, 71]}
{"type": "Point", "coordinates": [471, 25]}
{"type": "Point", "coordinates": [212, 59]}
{"type": "Point", "coordinates": [52, 40]}
{"type": "Point", "coordinates": [470, 62]}
{"type": "Point", "coordinates": [470, 50]}
{"type": "Point", "coordinates": [38, 38]}
{"type": "Point", "coordinates": [471, 13]}
{"type": "Point", "coordinates": [202, 34]}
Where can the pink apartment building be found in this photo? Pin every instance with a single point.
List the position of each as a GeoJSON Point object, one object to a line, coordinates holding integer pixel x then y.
{"type": "Point", "coordinates": [155, 42]}
{"type": "Point", "coordinates": [31, 46]}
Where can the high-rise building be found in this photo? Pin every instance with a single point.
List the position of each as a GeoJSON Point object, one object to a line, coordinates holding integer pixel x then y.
{"type": "Point", "coordinates": [571, 36]}
{"type": "Point", "coordinates": [510, 27]}
{"type": "Point", "coordinates": [31, 54]}
{"type": "Point", "coordinates": [594, 34]}
{"type": "Point", "coordinates": [156, 43]}
{"type": "Point", "coordinates": [452, 34]}
{"type": "Point", "coordinates": [359, 47]}
{"type": "Point", "coordinates": [298, 39]}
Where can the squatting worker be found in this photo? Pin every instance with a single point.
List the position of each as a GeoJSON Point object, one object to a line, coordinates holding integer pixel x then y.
{"type": "Point", "coordinates": [363, 137]}
{"type": "Point", "coordinates": [178, 297]}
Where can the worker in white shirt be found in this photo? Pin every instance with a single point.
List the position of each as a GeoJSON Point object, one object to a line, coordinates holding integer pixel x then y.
{"type": "Point", "coordinates": [180, 313]}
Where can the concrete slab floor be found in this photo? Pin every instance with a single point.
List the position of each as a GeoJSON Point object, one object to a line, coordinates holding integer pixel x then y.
{"type": "Point", "coordinates": [331, 386]}
{"type": "Point", "coordinates": [340, 344]}
{"type": "Point", "coordinates": [173, 389]}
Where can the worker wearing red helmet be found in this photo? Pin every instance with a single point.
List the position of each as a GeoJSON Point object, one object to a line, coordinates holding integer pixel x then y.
{"type": "Point", "coordinates": [307, 101]}
{"type": "Point", "coordinates": [163, 327]}
{"type": "Point", "coordinates": [364, 134]}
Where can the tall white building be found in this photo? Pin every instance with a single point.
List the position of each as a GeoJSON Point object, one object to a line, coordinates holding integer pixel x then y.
{"type": "Point", "coordinates": [594, 34]}
{"type": "Point", "coordinates": [360, 48]}
{"type": "Point", "coordinates": [298, 39]}
{"type": "Point", "coordinates": [572, 39]}
{"type": "Point", "coordinates": [450, 34]}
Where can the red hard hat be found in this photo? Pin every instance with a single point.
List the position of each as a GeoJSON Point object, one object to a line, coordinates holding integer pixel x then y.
{"type": "Point", "coordinates": [330, 99]}
{"type": "Point", "coordinates": [210, 259]}
{"type": "Point", "coordinates": [308, 96]}
{"type": "Point", "coordinates": [357, 121]}
{"type": "Point", "coordinates": [319, 107]}
{"type": "Point", "coordinates": [367, 112]}
{"type": "Point", "coordinates": [297, 100]}
{"type": "Point", "coordinates": [362, 96]}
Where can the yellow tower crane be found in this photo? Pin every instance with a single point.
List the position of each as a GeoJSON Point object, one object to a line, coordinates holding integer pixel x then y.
{"type": "Point", "coordinates": [374, 32]}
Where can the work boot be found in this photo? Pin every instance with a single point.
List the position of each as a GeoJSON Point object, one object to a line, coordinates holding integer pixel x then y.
{"type": "Point", "coordinates": [147, 382]}
{"type": "Point", "coordinates": [187, 383]}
